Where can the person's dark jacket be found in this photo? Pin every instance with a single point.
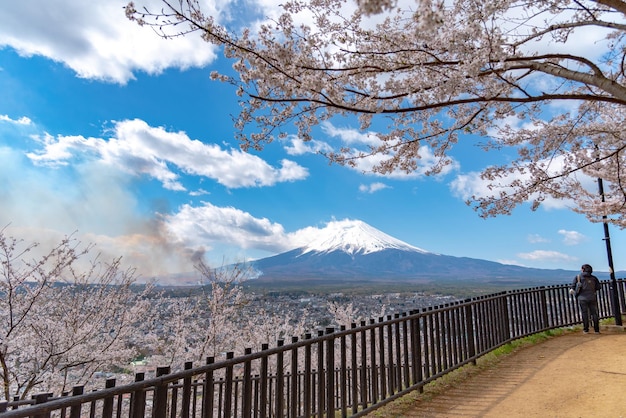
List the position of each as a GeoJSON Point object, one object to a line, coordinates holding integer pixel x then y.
{"type": "Point", "coordinates": [590, 285]}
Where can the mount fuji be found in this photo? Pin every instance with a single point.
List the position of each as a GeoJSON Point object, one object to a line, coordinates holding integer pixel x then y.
{"type": "Point", "coordinates": [353, 251]}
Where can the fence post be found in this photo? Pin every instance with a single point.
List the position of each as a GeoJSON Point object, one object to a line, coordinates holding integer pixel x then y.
{"type": "Point", "coordinates": [469, 326]}
{"type": "Point", "coordinates": [279, 398]}
{"type": "Point", "coordinates": [364, 387]}
{"type": "Point", "coordinates": [75, 410]}
{"type": "Point", "coordinates": [39, 399]}
{"type": "Point", "coordinates": [207, 395]}
{"type": "Point", "coordinates": [264, 382]}
{"type": "Point", "coordinates": [544, 308]}
{"type": "Point", "coordinates": [308, 386]}
{"type": "Point", "coordinates": [355, 370]}
{"type": "Point", "coordinates": [620, 288]}
{"type": "Point", "coordinates": [321, 381]}
{"type": "Point", "coordinates": [416, 349]}
{"type": "Point", "coordinates": [506, 319]}
{"type": "Point", "coordinates": [383, 363]}
{"type": "Point", "coordinates": [246, 408]}
{"type": "Point", "coordinates": [228, 390]}
{"type": "Point", "coordinates": [343, 372]}
{"type": "Point", "coordinates": [374, 378]}
{"type": "Point", "coordinates": [427, 327]}
{"type": "Point", "coordinates": [397, 364]}
{"type": "Point", "coordinates": [404, 380]}
{"type": "Point", "coordinates": [137, 399]}
{"type": "Point", "coordinates": [159, 403]}
{"type": "Point", "coordinates": [186, 401]}
{"type": "Point", "coordinates": [294, 379]}
{"type": "Point", "coordinates": [330, 374]}
{"type": "Point", "coordinates": [107, 407]}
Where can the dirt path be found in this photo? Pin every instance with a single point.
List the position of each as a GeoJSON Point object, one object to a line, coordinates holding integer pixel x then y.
{"type": "Point", "coordinates": [573, 375]}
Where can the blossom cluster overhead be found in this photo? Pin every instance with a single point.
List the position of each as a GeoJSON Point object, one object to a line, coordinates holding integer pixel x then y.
{"type": "Point", "coordinates": [544, 79]}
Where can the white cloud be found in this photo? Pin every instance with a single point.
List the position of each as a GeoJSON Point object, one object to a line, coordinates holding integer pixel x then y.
{"type": "Point", "coordinates": [209, 225]}
{"type": "Point", "coordinates": [298, 146]}
{"type": "Point", "coordinates": [140, 149]}
{"type": "Point", "coordinates": [373, 187]}
{"type": "Point", "coordinates": [305, 236]}
{"type": "Point", "coordinates": [96, 40]}
{"type": "Point", "coordinates": [350, 136]}
{"type": "Point", "coordinates": [21, 121]}
{"type": "Point", "coordinates": [466, 186]}
{"type": "Point", "coordinates": [545, 255]}
{"type": "Point", "coordinates": [536, 239]}
{"type": "Point", "coordinates": [199, 192]}
{"type": "Point", "coordinates": [572, 237]}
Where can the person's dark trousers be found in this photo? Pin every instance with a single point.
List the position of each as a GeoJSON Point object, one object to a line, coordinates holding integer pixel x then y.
{"type": "Point", "coordinates": [589, 309]}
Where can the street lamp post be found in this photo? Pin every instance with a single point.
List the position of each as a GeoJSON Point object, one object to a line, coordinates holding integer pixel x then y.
{"type": "Point", "coordinates": [609, 253]}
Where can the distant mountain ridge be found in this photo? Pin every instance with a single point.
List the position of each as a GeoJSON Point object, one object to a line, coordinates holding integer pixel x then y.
{"type": "Point", "coordinates": [351, 251]}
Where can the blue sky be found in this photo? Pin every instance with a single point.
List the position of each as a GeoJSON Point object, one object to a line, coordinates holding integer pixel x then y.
{"type": "Point", "coordinates": [109, 133]}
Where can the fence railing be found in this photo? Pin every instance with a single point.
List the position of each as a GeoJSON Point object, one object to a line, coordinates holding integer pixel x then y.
{"type": "Point", "coordinates": [344, 372]}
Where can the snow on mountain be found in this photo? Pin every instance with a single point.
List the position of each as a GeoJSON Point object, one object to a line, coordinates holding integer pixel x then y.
{"type": "Point", "coordinates": [355, 237]}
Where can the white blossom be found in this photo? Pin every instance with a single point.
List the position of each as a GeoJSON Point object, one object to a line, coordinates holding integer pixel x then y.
{"type": "Point", "coordinates": [61, 321]}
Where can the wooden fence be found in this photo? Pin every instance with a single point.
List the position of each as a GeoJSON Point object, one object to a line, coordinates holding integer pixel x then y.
{"type": "Point", "coordinates": [344, 372]}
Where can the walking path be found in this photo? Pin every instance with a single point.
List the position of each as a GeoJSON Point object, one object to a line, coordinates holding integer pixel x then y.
{"type": "Point", "coordinates": [572, 375]}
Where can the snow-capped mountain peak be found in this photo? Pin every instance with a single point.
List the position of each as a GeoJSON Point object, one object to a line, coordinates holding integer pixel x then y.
{"type": "Point", "coordinates": [354, 236]}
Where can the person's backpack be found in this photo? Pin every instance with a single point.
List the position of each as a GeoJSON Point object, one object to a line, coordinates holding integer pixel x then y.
{"type": "Point", "coordinates": [579, 286]}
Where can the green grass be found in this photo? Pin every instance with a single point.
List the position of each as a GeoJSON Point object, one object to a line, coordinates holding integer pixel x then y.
{"type": "Point", "coordinates": [611, 321]}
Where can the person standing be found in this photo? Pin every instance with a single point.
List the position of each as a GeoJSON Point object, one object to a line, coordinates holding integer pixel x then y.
{"type": "Point", "coordinates": [587, 299]}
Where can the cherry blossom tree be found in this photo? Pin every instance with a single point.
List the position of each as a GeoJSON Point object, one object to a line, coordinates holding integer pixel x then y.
{"type": "Point", "coordinates": [543, 79]}
{"type": "Point", "coordinates": [216, 320]}
{"type": "Point", "coordinates": [61, 318]}
{"type": "Point", "coordinates": [202, 324]}
{"type": "Point", "coordinates": [347, 314]}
